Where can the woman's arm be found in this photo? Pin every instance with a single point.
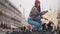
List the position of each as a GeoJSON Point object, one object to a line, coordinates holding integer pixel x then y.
{"type": "Point", "coordinates": [44, 12]}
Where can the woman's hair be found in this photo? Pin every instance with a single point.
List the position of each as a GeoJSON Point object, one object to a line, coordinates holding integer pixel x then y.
{"type": "Point", "coordinates": [36, 5]}
{"type": "Point", "coordinates": [38, 8]}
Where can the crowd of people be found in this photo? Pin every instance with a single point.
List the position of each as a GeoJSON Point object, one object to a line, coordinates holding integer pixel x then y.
{"type": "Point", "coordinates": [22, 30]}
{"type": "Point", "coordinates": [4, 26]}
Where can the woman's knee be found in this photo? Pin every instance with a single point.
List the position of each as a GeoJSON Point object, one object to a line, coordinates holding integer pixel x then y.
{"type": "Point", "coordinates": [36, 24]}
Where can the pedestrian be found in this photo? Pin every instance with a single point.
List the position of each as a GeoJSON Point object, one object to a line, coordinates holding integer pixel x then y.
{"type": "Point", "coordinates": [7, 32]}
{"type": "Point", "coordinates": [1, 25]}
{"type": "Point", "coordinates": [49, 26]}
{"type": "Point", "coordinates": [44, 26]}
{"type": "Point", "coordinates": [14, 32]}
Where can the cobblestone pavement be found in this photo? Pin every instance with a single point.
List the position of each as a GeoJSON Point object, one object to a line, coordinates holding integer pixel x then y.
{"type": "Point", "coordinates": [35, 33]}
{"type": "Point", "coordinates": [41, 32]}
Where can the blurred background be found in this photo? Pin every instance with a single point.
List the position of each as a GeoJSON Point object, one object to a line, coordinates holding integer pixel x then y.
{"type": "Point", "coordinates": [14, 13]}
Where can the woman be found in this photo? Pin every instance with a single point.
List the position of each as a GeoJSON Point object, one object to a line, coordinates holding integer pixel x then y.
{"type": "Point", "coordinates": [36, 15]}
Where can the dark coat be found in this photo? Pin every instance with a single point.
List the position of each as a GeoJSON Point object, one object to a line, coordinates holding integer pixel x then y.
{"type": "Point", "coordinates": [15, 32]}
{"type": "Point", "coordinates": [44, 26]}
{"type": "Point", "coordinates": [7, 32]}
{"type": "Point", "coordinates": [35, 14]}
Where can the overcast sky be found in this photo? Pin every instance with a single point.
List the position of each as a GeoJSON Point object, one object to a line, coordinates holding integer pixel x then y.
{"type": "Point", "coordinates": [28, 4]}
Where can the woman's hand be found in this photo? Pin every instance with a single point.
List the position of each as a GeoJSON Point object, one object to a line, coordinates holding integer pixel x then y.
{"type": "Point", "coordinates": [44, 18]}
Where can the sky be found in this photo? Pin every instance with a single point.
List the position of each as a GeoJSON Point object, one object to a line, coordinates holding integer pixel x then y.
{"type": "Point", "coordinates": [28, 4]}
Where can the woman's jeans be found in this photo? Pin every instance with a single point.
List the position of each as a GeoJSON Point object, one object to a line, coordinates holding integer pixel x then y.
{"type": "Point", "coordinates": [37, 23]}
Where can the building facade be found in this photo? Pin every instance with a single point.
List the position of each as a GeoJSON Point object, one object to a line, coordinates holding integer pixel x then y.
{"type": "Point", "coordinates": [9, 14]}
